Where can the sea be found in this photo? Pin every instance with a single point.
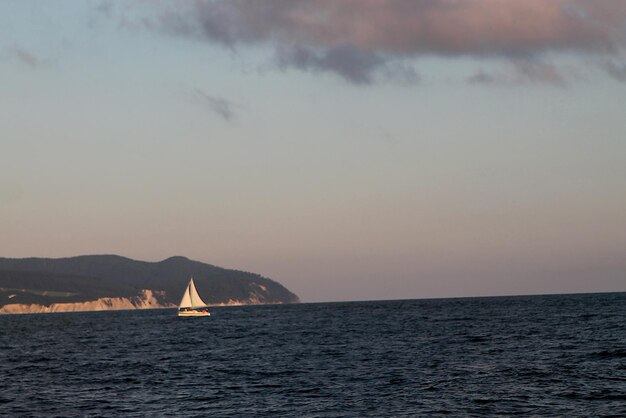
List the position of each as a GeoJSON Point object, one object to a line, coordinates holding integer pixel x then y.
{"type": "Point", "coordinates": [555, 355]}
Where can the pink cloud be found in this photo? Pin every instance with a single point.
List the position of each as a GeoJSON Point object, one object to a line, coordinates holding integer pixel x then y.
{"type": "Point", "coordinates": [337, 35]}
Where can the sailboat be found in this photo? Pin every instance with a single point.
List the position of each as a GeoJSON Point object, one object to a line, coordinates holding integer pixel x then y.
{"type": "Point", "coordinates": [191, 304]}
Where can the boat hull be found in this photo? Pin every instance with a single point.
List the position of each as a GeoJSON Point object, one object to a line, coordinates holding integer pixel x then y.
{"type": "Point", "coordinates": [194, 313]}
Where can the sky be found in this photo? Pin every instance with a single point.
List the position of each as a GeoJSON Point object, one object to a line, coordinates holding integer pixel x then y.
{"type": "Point", "coordinates": [349, 149]}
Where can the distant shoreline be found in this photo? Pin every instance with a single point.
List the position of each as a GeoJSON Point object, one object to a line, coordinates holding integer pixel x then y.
{"type": "Point", "coordinates": [107, 305]}
{"type": "Point", "coordinates": [126, 304]}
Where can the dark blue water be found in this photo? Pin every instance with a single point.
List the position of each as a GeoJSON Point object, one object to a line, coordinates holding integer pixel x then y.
{"type": "Point", "coordinates": [541, 355]}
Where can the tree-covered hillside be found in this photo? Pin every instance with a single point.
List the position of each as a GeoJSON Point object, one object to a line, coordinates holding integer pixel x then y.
{"type": "Point", "coordinates": [47, 280]}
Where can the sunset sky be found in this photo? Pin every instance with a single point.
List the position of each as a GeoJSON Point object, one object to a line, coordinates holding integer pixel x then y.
{"type": "Point", "coordinates": [349, 149]}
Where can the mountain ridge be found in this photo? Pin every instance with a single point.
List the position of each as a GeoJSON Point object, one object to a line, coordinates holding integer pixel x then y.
{"type": "Point", "coordinates": [91, 277]}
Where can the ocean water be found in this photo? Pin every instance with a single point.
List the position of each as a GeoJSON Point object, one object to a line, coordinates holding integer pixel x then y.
{"type": "Point", "coordinates": [541, 355]}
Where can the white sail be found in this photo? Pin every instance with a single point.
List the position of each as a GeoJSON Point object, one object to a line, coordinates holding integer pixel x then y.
{"type": "Point", "coordinates": [191, 299]}
{"type": "Point", "coordinates": [186, 300]}
{"type": "Point", "coordinates": [196, 301]}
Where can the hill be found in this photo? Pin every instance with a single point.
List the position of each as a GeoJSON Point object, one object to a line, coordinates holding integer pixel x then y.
{"type": "Point", "coordinates": [111, 279]}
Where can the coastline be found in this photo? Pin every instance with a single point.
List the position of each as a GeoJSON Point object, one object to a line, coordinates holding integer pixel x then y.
{"type": "Point", "coordinates": [146, 301]}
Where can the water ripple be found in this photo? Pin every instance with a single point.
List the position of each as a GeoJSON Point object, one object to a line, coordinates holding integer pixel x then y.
{"type": "Point", "coordinates": [543, 355]}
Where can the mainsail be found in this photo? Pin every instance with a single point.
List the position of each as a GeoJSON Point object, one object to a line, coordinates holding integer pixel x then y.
{"type": "Point", "coordinates": [191, 299]}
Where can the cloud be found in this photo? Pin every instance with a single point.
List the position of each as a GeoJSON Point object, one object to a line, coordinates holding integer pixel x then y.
{"type": "Point", "coordinates": [218, 105]}
{"type": "Point", "coordinates": [484, 77]}
{"type": "Point", "coordinates": [105, 7]}
{"type": "Point", "coordinates": [440, 27]}
{"type": "Point", "coordinates": [360, 39]}
{"type": "Point", "coordinates": [525, 71]}
{"type": "Point", "coordinates": [27, 58]}
{"type": "Point", "coordinates": [615, 70]}
{"type": "Point", "coordinates": [350, 63]}
{"type": "Point", "coordinates": [388, 137]}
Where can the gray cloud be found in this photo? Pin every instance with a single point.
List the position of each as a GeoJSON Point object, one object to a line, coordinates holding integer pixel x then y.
{"type": "Point", "coordinates": [525, 71]}
{"type": "Point", "coordinates": [541, 72]}
{"type": "Point", "coordinates": [615, 70]}
{"type": "Point", "coordinates": [27, 58]}
{"type": "Point", "coordinates": [388, 137]}
{"type": "Point", "coordinates": [361, 39]}
{"type": "Point", "coordinates": [354, 65]}
{"type": "Point", "coordinates": [218, 105]}
{"type": "Point", "coordinates": [484, 77]}
{"type": "Point", "coordinates": [105, 7]}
